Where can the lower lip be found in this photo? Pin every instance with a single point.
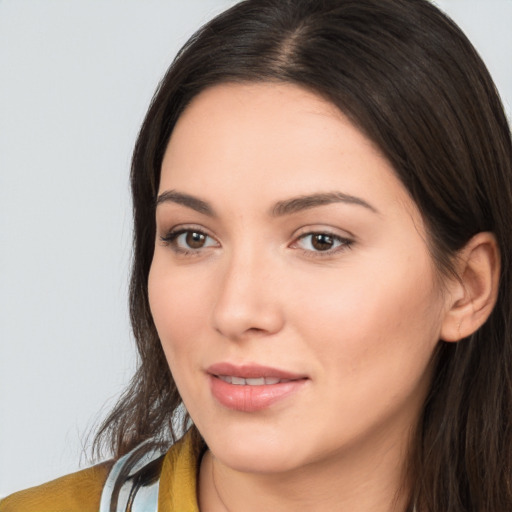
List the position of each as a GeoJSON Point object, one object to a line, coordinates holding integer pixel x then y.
{"type": "Point", "coordinates": [252, 398]}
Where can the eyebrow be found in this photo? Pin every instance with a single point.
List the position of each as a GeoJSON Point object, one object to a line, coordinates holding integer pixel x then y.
{"type": "Point", "coordinates": [281, 208]}
{"type": "Point", "coordinates": [173, 196]}
{"type": "Point", "coordinates": [300, 203]}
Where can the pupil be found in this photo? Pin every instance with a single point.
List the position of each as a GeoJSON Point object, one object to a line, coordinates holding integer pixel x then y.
{"type": "Point", "coordinates": [195, 240]}
{"type": "Point", "coordinates": [322, 242]}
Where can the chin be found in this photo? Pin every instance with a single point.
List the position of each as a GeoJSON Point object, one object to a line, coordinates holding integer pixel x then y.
{"type": "Point", "coordinates": [254, 452]}
{"type": "Point", "coordinates": [255, 461]}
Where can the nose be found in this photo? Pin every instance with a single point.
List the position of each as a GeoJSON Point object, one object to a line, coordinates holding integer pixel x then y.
{"type": "Point", "coordinates": [247, 302]}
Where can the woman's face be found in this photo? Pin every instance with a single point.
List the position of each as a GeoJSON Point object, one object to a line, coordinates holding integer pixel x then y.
{"type": "Point", "coordinates": [291, 284]}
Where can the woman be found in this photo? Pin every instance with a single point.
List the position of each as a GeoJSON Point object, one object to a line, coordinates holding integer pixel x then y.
{"type": "Point", "coordinates": [322, 197]}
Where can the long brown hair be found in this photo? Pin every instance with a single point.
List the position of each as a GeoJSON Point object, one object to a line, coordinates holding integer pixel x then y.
{"type": "Point", "coordinates": [410, 80]}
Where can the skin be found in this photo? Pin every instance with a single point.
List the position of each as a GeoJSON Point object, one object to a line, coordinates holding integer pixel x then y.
{"type": "Point", "coordinates": [360, 320]}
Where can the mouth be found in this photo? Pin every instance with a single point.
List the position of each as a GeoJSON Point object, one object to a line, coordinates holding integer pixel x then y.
{"type": "Point", "coordinates": [251, 388]}
{"type": "Point", "coordinates": [252, 374]}
{"type": "Point", "coordinates": [258, 381]}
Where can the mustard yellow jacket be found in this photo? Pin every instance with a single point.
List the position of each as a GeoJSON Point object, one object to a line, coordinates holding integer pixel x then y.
{"type": "Point", "coordinates": [81, 491]}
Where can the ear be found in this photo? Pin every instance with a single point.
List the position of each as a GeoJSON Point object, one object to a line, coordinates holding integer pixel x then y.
{"type": "Point", "coordinates": [472, 296]}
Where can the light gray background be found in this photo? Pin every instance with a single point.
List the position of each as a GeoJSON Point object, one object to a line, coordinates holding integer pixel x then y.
{"type": "Point", "coordinates": [75, 80]}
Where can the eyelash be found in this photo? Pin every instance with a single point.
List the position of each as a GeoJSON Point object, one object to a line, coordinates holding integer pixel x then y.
{"type": "Point", "coordinates": [344, 243]}
{"type": "Point", "coordinates": [172, 236]}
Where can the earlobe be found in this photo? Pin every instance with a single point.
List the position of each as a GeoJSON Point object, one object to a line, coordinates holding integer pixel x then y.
{"type": "Point", "coordinates": [473, 295]}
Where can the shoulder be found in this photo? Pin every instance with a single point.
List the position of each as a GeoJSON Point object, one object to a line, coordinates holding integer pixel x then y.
{"type": "Point", "coordinates": [77, 492]}
{"type": "Point", "coordinates": [84, 491]}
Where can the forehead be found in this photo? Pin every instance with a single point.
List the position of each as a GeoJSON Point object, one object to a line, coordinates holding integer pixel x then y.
{"type": "Point", "coordinates": [272, 140]}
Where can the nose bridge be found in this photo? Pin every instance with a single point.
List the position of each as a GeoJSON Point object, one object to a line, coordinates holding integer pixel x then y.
{"type": "Point", "coordinates": [247, 301]}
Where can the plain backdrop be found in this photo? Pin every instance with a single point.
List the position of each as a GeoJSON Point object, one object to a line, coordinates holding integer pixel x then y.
{"type": "Point", "coordinates": [76, 78]}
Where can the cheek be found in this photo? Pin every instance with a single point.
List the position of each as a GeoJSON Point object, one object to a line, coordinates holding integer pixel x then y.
{"type": "Point", "coordinates": [178, 308]}
{"type": "Point", "coordinates": [383, 320]}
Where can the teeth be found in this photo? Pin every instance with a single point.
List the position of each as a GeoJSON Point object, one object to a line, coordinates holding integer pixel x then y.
{"type": "Point", "coordinates": [260, 381]}
{"type": "Point", "coordinates": [255, 382]}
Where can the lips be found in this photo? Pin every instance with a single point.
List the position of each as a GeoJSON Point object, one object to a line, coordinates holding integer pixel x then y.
{"type": "Point", "coordinates": [252, 371]}
{"type": "Point", "coordinates": [259, 381]}
{"type": "Point", "coordinates": [251, 388]}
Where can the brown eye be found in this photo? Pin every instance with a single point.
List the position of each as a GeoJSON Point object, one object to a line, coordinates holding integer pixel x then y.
{"type": "Point", "coordinates": [191, 240]}
{"type": "Point", "coordinates": [195, 240]}
{"type": "Point", "coordinates": [322, 241]}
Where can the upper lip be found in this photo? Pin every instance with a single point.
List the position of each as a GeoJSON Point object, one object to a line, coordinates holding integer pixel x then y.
{"type": "Point", "coordinates": [252, 371]}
